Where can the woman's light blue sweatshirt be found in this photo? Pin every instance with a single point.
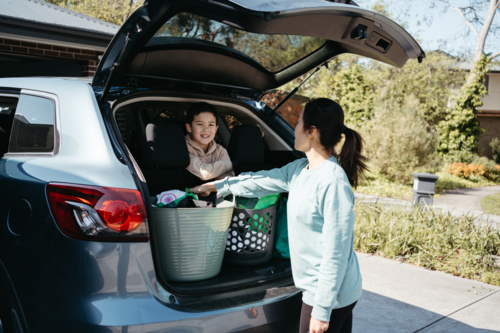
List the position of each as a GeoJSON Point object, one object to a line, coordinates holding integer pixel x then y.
{"type": "Point", "coordinates": [320, 228]}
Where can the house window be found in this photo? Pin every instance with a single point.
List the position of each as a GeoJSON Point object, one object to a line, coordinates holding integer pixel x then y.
{"type": "Point", "coordinates": [33, 126]}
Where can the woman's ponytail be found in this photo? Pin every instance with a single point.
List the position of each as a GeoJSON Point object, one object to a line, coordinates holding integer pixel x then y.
{"type": "Point", "coordinates": [350, 158]}
{"type": "Point", "coordinates": [328, 117]}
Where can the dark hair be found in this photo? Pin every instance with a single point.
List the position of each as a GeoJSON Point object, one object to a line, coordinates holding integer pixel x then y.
{"type": "Point", "coordinates": [198, 108]}
{"type": "Point", "coordinates": [328, 117]}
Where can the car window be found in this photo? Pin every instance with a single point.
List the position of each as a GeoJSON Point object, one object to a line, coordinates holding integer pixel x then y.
{"type": "Point", "coordinates": [274, 51]}
{"type": "Point", "coordinates": [33, 126]}
{"type": "Point", "coordinates": [8, 106]}
{"type": "Point", "coordinates": [230, 121]}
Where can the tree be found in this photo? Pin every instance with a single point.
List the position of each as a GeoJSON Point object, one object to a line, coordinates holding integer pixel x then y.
{"type": "Point", "coordinates": [431, 82]}
{"type": "Point", "coordinates": [470, 12]}
{"type": "Point", "coordinates": [460, 130]}
{"type": "Point", "coordinates": [458, 140]}
{"type": "Point", "coordinates": [113, 11]}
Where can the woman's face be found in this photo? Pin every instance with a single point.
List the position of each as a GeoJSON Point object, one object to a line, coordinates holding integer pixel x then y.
{"type": "Point", "coordinates": [301, 138]}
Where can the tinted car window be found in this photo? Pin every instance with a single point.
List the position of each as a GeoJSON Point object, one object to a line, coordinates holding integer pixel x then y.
{"type": "Point", "coordinates": [274, 51]}
{"type": "Point", "coordinates": [33, 127]}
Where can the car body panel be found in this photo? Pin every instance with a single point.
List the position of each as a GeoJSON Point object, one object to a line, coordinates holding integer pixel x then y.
{"type": "Point", "coordinates": [92, 163]}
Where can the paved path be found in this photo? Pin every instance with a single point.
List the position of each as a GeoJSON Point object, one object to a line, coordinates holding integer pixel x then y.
{"type": "Point", "coordinates": [467, 198]}
{"type": "Point", "coordinates": [399, 297]}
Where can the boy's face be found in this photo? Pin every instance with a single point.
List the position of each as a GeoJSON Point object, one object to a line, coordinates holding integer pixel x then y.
{"type": "Point", "coordinates": [203, 128]}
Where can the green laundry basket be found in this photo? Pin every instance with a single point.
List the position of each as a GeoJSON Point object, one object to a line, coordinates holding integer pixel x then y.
{"type": "Point", "coordinates": [191, 241]}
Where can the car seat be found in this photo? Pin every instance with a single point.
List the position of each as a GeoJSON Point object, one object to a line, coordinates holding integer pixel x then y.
{"type": "Point", "coordinates": [165, 158]}
{"type": "Point", "coordinates": [247, 149]}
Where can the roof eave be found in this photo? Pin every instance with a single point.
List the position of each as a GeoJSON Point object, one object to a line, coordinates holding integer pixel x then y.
{"type": "Point", "coordinates": [44, 31]}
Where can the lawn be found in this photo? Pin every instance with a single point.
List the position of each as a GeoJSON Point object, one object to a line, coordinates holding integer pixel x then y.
{"type": "Point", "coordinates": [429, 239]}
{"type": "Point", "coordinates": [491, 204]}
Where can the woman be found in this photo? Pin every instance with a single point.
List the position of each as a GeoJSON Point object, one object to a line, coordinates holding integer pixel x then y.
{"type": "Point", "coordinates": [320, 213]}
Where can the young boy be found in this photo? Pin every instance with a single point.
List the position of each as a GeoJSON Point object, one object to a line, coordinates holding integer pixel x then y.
{"type": "Point", "coordinates": [208, 160]}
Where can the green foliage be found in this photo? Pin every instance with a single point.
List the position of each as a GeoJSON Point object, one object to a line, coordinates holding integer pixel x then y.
{"type": "Point", "coordinates": [381, 186]}
{"type": "Point", "coordinates": [432, 82]}
{"type": "Point", "coordinates": [399, 142]}
{"type": "Point", "coordinates": [430, 239]}
{"type": "Point", "coordinates": [448, 181]}
{"type": "Point", "coordinates": [458, 140]}
{"type": "Point", "coordinates": [113, 11]}
{"type": "Point", "coordinates": [495, 147]}
{"type": "Point", "coordinates": [346, 82]}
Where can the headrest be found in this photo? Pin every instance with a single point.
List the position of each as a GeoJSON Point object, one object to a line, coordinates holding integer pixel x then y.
{"type": "Point", "coordinates": [165, 147]}
{"type": "Point", "coordinates": [246, 145]}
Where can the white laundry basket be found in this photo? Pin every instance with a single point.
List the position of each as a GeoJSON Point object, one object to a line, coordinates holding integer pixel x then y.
{"type": "Point", "coordinates": [191, 241]}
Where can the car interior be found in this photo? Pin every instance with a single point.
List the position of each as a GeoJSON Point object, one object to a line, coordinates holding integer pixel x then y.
{"type": "Point", "coordinates": [154, 131]}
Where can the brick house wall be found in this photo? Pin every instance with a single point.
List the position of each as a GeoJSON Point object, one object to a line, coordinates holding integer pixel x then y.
{"type": "Point", "coordinates": [89, 59]}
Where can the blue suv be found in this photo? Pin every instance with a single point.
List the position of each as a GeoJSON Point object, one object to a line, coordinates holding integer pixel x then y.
{"type": "Point", "coordinates": [78, 249]}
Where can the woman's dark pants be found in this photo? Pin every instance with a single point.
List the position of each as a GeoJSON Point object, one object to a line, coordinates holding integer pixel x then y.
{"type": "Point", "coordinates": [340, 319]}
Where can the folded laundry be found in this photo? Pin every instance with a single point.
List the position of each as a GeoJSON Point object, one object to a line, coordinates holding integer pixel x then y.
{"type": "Point", "coordinates": [167, 197]}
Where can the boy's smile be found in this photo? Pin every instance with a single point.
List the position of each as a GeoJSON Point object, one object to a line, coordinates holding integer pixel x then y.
{"type": "Point", "coordinates": [203, 129]}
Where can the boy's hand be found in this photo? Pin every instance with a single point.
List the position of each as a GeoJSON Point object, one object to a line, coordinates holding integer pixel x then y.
{"type": "Point", "coordinates": [205, 189]}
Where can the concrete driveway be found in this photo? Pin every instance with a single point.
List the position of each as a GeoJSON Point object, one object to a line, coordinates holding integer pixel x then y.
{"type": "Point", "coordinates": [465, 198]}
{"type": "Point", "coordinates": [399, 297]}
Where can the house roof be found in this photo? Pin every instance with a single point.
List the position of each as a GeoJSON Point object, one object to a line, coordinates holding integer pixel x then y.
{"type": "Point", "coordinates": [42, 22]}
{"type": "Point", "coordinates": [467, 65]}
{"type": "Point", "coordinates": [44, 12]}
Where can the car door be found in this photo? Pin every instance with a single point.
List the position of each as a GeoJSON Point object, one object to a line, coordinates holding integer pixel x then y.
{"type": "Point", "coordinates": [30, 122]}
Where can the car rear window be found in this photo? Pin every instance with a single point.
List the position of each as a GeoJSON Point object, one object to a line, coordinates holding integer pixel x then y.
{"type": "Point", "coordinates": [33, 126]}
{"type": "Point", "coordinates": [274, 52]}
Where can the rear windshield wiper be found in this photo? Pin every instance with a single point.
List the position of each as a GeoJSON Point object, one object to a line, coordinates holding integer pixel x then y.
{"type": "Point", "coordinates": [287, 97]}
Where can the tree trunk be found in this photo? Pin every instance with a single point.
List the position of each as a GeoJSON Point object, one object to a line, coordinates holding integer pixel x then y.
{"type": "Point", "coordinates": [486, 28]}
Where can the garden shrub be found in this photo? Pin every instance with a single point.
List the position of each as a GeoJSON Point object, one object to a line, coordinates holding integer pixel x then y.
{"type": "Point", "coordinates": [474, 171]}
{"type": "Point", "coordinates": [459, 132]}
{"type": "Point", "coordinates": [399, 142]}
{"type": "Point", "coordinates": [432, 239]}
{"type": "Point", "coordinates": [495, 146]}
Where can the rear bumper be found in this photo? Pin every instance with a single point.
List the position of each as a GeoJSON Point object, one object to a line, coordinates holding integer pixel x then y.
{"type": "Point", "coordinates": [146, 314]}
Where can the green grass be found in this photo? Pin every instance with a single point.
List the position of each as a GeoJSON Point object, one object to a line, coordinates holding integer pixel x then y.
{"type": "Point", "coordinates": [379, 185]}
{"type": "Point", "coordinates": [434, 240]}
{"type": "Point", "coordinates": [491, 204]}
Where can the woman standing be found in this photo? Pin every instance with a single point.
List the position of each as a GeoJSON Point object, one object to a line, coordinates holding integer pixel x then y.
{"type": "Point", "coordinates": [320, 213]}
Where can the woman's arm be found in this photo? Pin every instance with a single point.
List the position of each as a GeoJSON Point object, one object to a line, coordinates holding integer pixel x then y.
{"type": "Point", "coordinates": [253, 184]}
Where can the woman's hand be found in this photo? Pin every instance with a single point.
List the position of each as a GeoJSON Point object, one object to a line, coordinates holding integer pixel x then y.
{"type": "Point", "coordinates": [318, 326]}
{"type": "Point", "coordinates": [204, 189]}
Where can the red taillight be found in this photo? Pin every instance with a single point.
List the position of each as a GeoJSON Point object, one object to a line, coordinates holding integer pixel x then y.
{"type": "Point", "coordinates": [98, 213]}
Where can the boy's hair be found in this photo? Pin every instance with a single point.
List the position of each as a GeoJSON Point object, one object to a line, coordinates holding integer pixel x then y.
{"type": "Point", "coordinates": [198, 108]}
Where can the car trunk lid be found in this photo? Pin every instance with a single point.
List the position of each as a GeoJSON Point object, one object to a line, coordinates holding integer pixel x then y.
{"type": "Point", "coordinates": [244, 47]}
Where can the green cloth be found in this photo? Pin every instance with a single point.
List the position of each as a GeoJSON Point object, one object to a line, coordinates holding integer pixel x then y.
{"type": "Point", "coordinates": [257, 203]}
{"type": "Point", "coordinates": [281, 248]}
{"type": "Point", "coordinates": [320, 228]}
